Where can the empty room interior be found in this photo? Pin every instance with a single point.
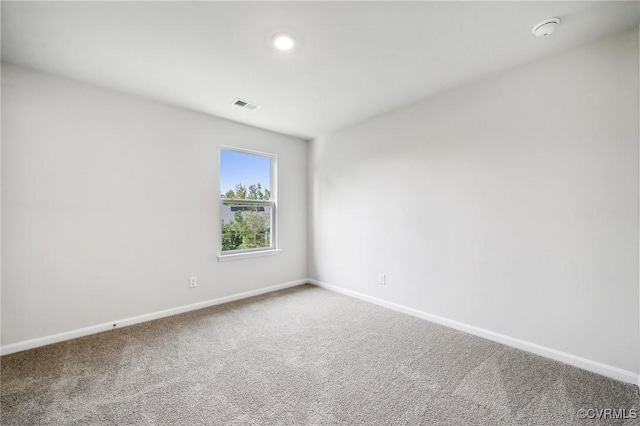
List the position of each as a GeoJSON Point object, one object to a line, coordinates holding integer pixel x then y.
{"type": "Point", "coordinates": [320, 213]}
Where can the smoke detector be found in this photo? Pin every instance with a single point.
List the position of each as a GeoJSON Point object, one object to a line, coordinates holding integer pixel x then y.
{"type": "Point", "coordinates": [244, 104]}
{"type": "Point", "coordinates": [545, 27]}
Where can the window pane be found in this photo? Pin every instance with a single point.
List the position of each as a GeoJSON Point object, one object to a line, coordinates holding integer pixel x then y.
{"type": "Point", "coordinates": [244, 175]}
{"type": "Point", "coordinates": [245, 226]}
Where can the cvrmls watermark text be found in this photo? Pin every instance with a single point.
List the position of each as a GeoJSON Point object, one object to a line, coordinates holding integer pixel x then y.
{"type": "Point", "coordinates": [607, 413]}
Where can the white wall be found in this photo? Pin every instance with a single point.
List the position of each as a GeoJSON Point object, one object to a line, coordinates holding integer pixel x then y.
{"type": "Point", "coordinates": [110, 204]}
{"type": "Point", "coordinates": [510, 204]}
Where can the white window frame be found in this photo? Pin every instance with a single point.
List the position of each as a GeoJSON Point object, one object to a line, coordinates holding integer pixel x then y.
{"type": "Point", "coordinates": [272, 203]}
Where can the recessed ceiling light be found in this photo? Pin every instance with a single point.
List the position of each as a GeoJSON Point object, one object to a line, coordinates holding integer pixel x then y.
{"type": "Point", "coordinates": [545, 27]}
{"type": "Point", "coordinates": [283, 42]}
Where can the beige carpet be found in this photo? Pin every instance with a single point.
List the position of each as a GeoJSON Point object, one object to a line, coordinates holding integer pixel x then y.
{"type": "Point", "coordinates": [295, 357]}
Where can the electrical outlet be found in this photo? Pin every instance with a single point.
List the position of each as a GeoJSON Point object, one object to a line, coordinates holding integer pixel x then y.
{"type": "Point", "coordinates": [382, 279]}
{"type": "Point", "coordinates": [193, 282]}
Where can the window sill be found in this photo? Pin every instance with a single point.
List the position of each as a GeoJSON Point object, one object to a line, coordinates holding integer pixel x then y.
{"type": "Point", "coordinates": [246, 255]}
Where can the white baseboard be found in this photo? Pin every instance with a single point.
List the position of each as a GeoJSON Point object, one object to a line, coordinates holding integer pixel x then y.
{"type": "Point", "coordinates": [586, 364]}
{"type": "Point", "coordinates": [73, 334]}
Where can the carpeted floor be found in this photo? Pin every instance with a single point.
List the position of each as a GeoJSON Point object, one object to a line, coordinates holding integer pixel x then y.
{"type": "Point", "coordinates": [295, 357]}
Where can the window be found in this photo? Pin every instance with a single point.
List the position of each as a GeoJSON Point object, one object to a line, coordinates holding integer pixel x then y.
{"type": "Point", "coordinates": [247, 204]}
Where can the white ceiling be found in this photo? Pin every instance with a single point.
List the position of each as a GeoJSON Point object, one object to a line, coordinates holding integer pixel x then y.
{"type": "Point", "coordinates": [354, 59]}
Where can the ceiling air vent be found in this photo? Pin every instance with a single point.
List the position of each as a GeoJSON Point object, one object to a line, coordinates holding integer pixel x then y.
{"type": "Point", "coordinates": [246, 105]}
